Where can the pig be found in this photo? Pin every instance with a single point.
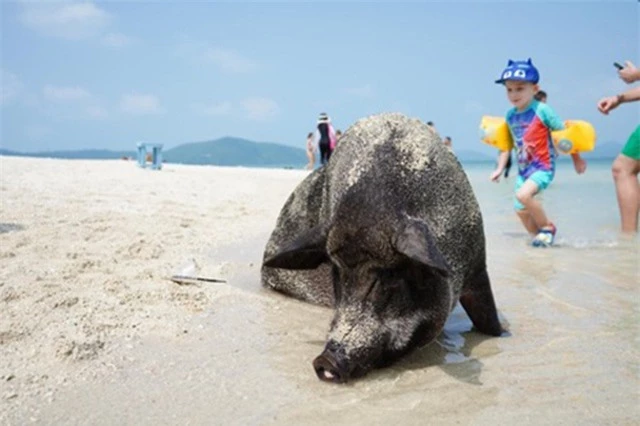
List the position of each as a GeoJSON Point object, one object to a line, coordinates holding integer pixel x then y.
{"type": "Point", "coordinates": [390, 235]}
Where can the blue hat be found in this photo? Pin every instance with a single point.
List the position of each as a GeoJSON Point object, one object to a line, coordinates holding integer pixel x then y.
{"type": "Point", "coordinates": [519, 71]}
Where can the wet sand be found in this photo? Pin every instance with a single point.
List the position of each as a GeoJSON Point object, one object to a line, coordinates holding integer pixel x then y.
{"type": "Point", "coordinates": [92, 332]}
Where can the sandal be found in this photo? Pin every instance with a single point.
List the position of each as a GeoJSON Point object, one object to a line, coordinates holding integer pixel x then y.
{"type": "Point", "coordinates": [545, 237]}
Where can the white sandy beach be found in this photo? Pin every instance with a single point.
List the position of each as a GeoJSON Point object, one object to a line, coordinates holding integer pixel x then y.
{"type": "Point", "coordinates": [92, 332]}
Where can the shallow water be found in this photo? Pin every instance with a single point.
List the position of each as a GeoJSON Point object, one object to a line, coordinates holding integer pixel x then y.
{"type": "Point", "coordinates": [571, 356]}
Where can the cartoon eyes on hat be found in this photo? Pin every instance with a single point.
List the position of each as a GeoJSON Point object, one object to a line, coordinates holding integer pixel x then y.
{"type": "Point", "coordinates": [517, 73]}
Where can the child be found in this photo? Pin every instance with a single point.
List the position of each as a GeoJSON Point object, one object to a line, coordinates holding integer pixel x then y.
{"type": "Point", "coordinates": [531, 123]}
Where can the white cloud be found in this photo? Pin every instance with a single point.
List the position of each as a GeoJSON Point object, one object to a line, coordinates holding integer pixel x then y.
{"type": "Point", "coordinates": [66, 20]}
{"type": "Point", "coordinates": [97, 112]}
{"type": "Point", "coordinates": [220, 108]}
{"type": "Point", "coordinates": [116, 40]}
{"type": "Point", "coordinates": [362, 91]}
{"type": "Point", "coordinates": [140, 104]}
{"type": "Point", "coordinates": [260, 109]}
{"type": "Point", "coordinates": [65, 94]}
{"type": "Point", "coordinates": [11, 87]}
{"type": "Point", "coordinates": [229, 60]}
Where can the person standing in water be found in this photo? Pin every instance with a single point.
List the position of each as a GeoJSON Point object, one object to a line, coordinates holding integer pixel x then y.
{"type": "Point", "coordinates": [626, 166]}
{"type": "Point", "coordinates": [531, 123]}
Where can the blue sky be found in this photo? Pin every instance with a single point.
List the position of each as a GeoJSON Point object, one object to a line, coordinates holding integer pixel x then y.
{"type": "Point", "coordinates": [109, 74]}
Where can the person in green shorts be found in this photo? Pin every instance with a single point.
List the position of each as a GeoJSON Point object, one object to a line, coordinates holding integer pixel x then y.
{"type": "Point", "coordinates": [627, 165]}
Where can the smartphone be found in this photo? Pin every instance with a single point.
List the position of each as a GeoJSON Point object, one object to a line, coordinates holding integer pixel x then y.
{"type": "Point", "coordinates": [617, 65]}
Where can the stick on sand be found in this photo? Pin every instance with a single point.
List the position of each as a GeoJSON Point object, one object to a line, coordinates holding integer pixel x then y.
{"type": "Point", "coordinates": [183, 279]}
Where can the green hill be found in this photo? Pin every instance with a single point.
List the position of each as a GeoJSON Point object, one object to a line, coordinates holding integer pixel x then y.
{"type": "Point", "coordinates": [229, 151]}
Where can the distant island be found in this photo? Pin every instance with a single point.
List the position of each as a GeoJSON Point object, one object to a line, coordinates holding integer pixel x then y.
{"type": "Point", "coordinates": [232, 151]}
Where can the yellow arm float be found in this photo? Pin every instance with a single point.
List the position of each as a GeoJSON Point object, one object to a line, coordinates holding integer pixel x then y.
{"type": "Point", "coordinates": [578, 135]}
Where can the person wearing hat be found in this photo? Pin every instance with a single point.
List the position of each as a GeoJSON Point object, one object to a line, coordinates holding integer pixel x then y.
{"type": "Point", "coordinates": [326, 133]}
{"type": "Point", "coordinates": [531, 123]}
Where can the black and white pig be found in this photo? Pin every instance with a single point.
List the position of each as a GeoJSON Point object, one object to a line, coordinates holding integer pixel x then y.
{"type": "Point", "coordinates": [389, 234]}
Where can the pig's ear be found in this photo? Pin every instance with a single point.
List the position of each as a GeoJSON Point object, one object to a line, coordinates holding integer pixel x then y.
{"type": "Point", "coordinates": [415, 241]}
{"type": "Point", "coordinates": [308, 251]}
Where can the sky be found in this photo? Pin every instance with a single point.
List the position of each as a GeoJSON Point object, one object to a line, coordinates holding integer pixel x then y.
{"type": "Point", "coordinates": [109, 74]}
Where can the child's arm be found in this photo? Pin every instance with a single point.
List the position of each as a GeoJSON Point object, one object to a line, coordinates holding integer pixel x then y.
{"type": "Point", "coordinates": [550, 118]}
{"type": "Point", "coordinates": [502, 162]}
{"type": "Point", "coordinates": [579, 163]}
{"type": "Point", "coordinates": [554, 122]}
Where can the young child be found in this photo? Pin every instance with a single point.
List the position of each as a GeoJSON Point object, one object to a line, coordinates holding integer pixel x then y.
{"type": "Point", "coordinates": [531, 123]}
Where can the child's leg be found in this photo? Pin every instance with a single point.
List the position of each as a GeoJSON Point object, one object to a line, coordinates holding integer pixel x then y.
{"type": "Point", "coordinates": [522, 210]}
{"type": "Point", "coordinates": [525, 195]}
{"type": "Point", "coordinates": [527, 221]}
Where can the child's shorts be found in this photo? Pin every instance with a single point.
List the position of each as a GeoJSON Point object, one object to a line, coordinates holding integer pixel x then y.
{"type": "Point", "coordinates": [541, 178]}
{"type": "Point", "coordinates": [632, 147]}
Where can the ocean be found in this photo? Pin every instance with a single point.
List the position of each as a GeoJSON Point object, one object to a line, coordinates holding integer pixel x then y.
{"type": "Point", "coordinates": [583, 207]}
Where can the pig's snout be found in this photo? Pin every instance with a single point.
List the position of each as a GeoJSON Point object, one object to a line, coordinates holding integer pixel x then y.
{"type": "Point", "coordinates": [330, 366]}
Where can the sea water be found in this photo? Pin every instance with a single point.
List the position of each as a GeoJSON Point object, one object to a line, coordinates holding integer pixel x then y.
{"type": "Point", "coordinates": [583, 207]}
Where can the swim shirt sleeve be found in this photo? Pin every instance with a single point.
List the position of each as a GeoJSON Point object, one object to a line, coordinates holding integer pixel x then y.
{"type": "Point", "coordinates": [549, 117]}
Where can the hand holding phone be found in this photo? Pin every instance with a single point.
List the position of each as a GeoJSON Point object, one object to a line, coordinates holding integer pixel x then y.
{"type": "Point", "coordinates": [617, 65]}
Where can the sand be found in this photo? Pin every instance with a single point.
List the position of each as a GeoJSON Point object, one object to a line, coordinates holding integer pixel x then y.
{"type": "Point", "coordinates": [93, 332]}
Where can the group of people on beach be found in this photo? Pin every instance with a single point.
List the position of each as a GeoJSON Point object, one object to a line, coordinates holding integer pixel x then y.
{"type": "Point", "coordinates": [531, 122]}
{"type": "Point", "coordinates": [327, 138]}
{"type": "Point", "coordinates": [447, 139]}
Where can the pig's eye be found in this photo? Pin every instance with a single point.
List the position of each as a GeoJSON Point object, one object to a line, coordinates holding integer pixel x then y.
{"type": "Point", "coordinates": [390, 278]}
